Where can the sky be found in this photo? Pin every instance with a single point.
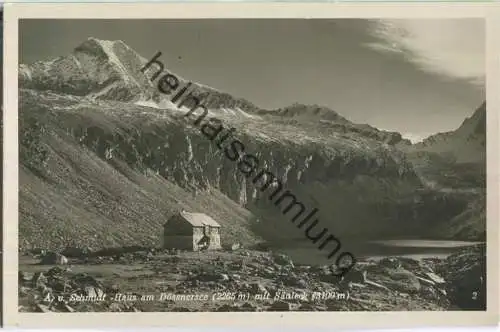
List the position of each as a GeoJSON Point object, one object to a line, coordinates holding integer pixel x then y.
{"type": "Point", "coordinates": [417, 77]}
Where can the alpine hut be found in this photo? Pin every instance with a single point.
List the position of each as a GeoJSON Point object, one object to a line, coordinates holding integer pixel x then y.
{"type": "Point", "coordinates": [191, 231]}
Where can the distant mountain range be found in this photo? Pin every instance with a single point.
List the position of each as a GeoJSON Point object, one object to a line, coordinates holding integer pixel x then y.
{"type": "Point", "coordinates": [106, 159]}
{"type": "Point", "coordinates": [465, 144]}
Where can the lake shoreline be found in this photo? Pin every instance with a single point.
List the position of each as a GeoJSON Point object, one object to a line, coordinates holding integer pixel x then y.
{"type": "Point", "coordinates": [305, 252]}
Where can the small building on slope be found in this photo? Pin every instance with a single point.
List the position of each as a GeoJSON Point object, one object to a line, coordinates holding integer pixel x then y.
{"type": "Point", "coordinates": [191, 231]}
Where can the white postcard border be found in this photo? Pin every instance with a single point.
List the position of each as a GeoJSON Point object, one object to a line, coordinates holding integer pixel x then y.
{"type": "Point", "coordinates": [14, 12]}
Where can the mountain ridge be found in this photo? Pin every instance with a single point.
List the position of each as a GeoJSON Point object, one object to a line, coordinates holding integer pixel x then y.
{"type": "Point", "coordinates": [465, 144]}
{"type": "Point", "coordinates": [117, 76]}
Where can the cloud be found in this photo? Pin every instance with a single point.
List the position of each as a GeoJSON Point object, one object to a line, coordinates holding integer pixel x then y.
{"type": "Point", "coordinates": [454, 48]}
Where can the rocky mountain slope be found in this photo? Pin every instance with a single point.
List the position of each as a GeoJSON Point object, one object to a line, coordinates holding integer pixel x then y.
{"type": "Point", "coordinates": [466, 144]}
{"type": "Point", "coordinates": [106, 159]}
{"type": "Point", "coordinates": [455, 163]}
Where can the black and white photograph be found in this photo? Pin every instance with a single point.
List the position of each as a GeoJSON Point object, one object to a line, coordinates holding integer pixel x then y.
{"type": "Point", "coordinates": [252, 165]}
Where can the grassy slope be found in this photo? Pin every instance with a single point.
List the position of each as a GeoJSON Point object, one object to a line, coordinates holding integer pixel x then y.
{"type": "Point", "coordinates": [80, 199]}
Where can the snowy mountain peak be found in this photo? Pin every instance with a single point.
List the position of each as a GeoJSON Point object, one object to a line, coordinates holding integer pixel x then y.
{"type": "Point", "coordinates": [466, 144]}
{"type": "Point", "coordinates": [110, 69]}
{"type": "Point", "coordinates": [98, 69]}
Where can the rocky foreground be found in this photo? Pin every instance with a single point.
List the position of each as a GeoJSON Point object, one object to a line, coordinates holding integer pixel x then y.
{"type": "Point", "coordinates": [140, 279]}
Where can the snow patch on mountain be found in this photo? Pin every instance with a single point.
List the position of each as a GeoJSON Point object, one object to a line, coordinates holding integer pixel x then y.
{"type": "Point", "coordinates": [164, 104]}
{"type": "Point", "coordinates": [147, 103]}
{"type": "Point", "coordinates": [247, 115]}
{"type": "Point", "coordinates": [77, 62]}
{"type": "Point", "coordinates": [228, 111]}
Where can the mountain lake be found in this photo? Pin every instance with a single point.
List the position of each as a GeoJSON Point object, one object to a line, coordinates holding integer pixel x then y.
{"type": "Point", "coordinates": [304, 253]}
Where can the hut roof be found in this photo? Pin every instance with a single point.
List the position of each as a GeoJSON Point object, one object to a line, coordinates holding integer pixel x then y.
{"type": "Point", "coordinates": [198, 219]}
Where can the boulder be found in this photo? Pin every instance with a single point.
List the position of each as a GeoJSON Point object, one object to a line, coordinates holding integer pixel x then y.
{"type": "Point", "coordinates": [377, 285]}
{"type": "Point", "coordinates": [248, 307]}
{"type": "Point", "coordinates": [410, 264]}
{"type": "Point", "coordinates": [93, 292]}
{"type": "Point", "coordinates": [390, 262]}
{"type": "Point", "coordinates": [293, 281]}
{"type": "Point", "coordinates": [227, 308]}
{"type": "Point", "coordinates": [355, 276]}
{"type": "Point", "coordinates": [258, 288]}
{"type": "Point", "coordinates": [306, 307]}
{"type": "Point", "coordinates": [210, 276]}
{"type": "Point", "coordinates": [67, 308]}
{"type": "Point", "coordinates": [115, 307]}
{"type": "Point", "coordinates": [24, 276]}
{"type": "Point", "coordinates": [301, 283]}
{"type": "Point", "coordinates": [184, 309]}
{"type": "Point", "coordinates": [83, 279]}
{"type": "Point", "coordinates": [426, 282]}
{"type": "Point", "coordinates": [42, 308]}
{"type": "Point", "coordinates": [235, 246]}
{"type": "Point", "coordinates": [39, 279]}
{"type": "Point", "coordinates": [280, 306]}
{"type": "Point", "coordinates": [283, 260]}
{"type": "Point", "coordinates": [55, 271]}
{"type": "Point", "coordinates": [429, 293]}
{"type": "Point", "coordinates": [403, 281]}
{"type": "Point", "coordinates": [53, 258]}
